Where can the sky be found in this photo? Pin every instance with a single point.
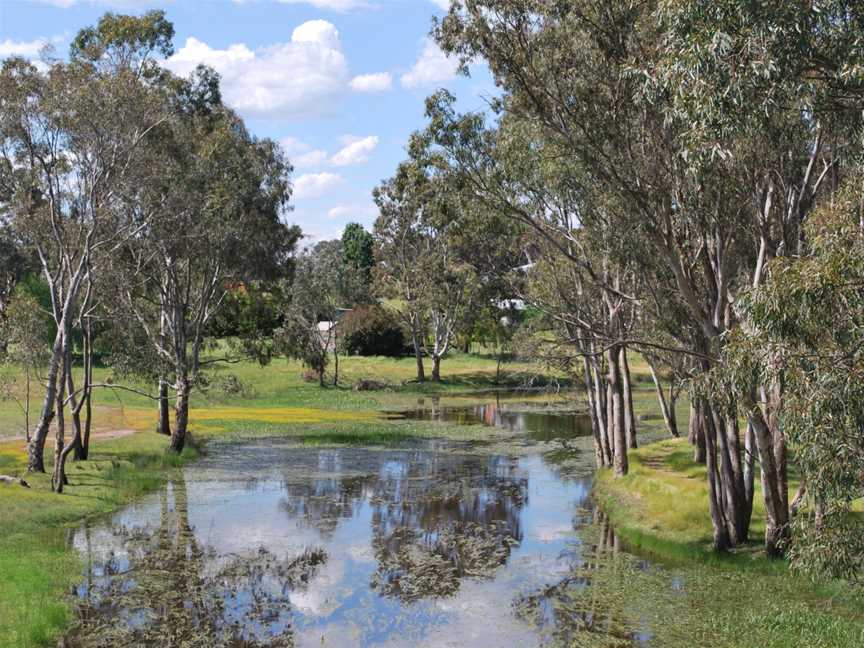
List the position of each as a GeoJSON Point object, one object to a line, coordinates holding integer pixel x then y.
{"type": "Point", "coordinates": [340, 84]}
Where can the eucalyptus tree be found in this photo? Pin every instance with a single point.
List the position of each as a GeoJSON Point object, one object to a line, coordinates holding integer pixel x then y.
{"type": "Point", "coordinates": [580, 73]}
{"type": "Point", "coordinates": [714, 127]}
{"type": "Point", "coordinates": [516, 172]}
{"type": "Point", "coordinates": [778, 93]}
{"type": "Point", "coordinates": [69, 137]}
{"type": "Point", "coordinates": [431, 252]}
{"type": "Point", "coordinates": [210, 199]}
{"type": "Point", "coordinates": [312, 308]}
{"type": "Point", "coordinates": [399, 242]}
{"type": "Point", "coordinates": [804, 332]}
{"type": "Point", "coordinates": [357, 260]}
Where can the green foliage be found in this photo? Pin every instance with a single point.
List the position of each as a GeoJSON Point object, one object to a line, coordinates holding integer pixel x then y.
{"type": "Point", "coordinates": [371, 331]}
{"type": "Point", "coordinates": [805, 332]}
{"type": "Point", "coordinates": [130, 40]}
{"type": "Point", "coordinates": [357, 263]}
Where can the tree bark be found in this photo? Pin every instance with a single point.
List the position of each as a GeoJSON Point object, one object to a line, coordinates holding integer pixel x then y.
{"type": "Point", "coordinates": [696, 433]}
{"type": "Point", "coordinates": [725, 432]}
{"type": "Point", "coordinates": [163, 426]}
{"type": "Point", "coordinates": [36, 447]}
{"type": "Point", "coordinates": [436, 369]}
{"type": "Point", "coordinates": [749, 468]}
{"type": "Point", "coordinates": [418, 353]}
{"type": "Point", "coordinates": [58, 476]}
{"type": "Point", "coordinates": [715, 497]}
{"type": "Point", "coordinates": [599, 454]}
{"type": "Point", "coordinates": [602, 414]}
{"type": "Point", "coordinates": [776, 511]}
{"type": "Point", "coordinates": [181, 412]}
{"type": "Point", "coordinates": [668, 413]}
{"type": "Point", "coordinates": [82, 449]}
{"type": "Point", "coordinates": [626, 388]}
{"type": "Point", "coordinates": [617, 420]}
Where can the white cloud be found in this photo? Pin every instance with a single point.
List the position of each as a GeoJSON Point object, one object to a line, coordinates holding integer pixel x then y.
{"type": "Point", "coordinates": [301, 77]}
{"type": "Point", "coordinates": [372, 82]}
{"type": "Point", "coordinates": [301, 154]}
{"type": "Point", "coordinates": [356, 150]}
{"type": "Point", "coordinates": [332, 5]}
{"type": "Point", "coordinates": [355, 212]}
{"type": "Point", "coordinates": [444, 5]}
{"type": "Point", "coordinates": [313, 158]}
{"type": "Point", "coordinates": [315, 185]}
{"type": "Point", "coordinates": [433, 66]}
{"type": "Point", "coordinates": [27, 49]}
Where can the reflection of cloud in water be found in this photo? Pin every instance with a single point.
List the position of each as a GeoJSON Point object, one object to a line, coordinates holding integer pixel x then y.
{"type": "Point", "coordinates": [495, 526]}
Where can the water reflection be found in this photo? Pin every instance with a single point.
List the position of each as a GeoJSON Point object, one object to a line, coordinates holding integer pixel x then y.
{"type": "Point", "coordinates": [586, 607]}
{"type": "Point", "coordinates": [540, 424]}
{"type": "Point", "coordinates": [157, 584]}
{"type": "Point", "coordinates": [270, 544]}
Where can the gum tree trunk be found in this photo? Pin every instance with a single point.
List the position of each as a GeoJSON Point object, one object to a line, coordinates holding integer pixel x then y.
{"type": "Point", "coordinates": [600, 406]}
{"type": "Point", "coordinates": [627, 392]}
{"type": "Point", "coordinates": [418, 349]}
{"type": "Point", "coordinates": [776, 510]}
{"type": "Point", "coordinates": [164, 424]}
{"type": "Point", "coordinates": [667, 409]}
{"type": "Point", "coordinates": [696, 433]}
{"type": "Point", "coordinates": [596, 430]}
{"type": "Point", "coordinates": [58, 476]}
{"type": "Point", "coordinates": [436, 369]}
{"type": "Point", "coordinates": [616, 422]}
{"type": "Point", "coordinates": [82, 449]}
{"type": "Point", "coordinates": [181, 412]}
{"type": "Point", "coordinates": [36, 447]}
{"type": "Point", "coordinates": [715, 494]}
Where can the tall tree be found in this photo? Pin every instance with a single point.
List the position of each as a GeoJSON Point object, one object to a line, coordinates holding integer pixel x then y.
{"type": "Point", "coordinates": [210, 200]}
{"type": "Point", "coordinates": [69, 138]}
{"type": "Point", "coordinates": [358, 258]}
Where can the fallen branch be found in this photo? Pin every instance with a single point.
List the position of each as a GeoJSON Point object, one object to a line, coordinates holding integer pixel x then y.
{"type": "Point", "coordinates": [6, 479]}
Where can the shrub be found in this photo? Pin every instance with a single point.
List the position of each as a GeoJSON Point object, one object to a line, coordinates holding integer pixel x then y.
{"type": "Point", "coordinates": [371, 330]}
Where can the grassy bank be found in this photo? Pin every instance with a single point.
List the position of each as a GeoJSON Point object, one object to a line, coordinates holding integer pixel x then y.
{"type": "Point", "coordinates": [36, 564]}
{"type": "Point", "coordinates": [660, 509]}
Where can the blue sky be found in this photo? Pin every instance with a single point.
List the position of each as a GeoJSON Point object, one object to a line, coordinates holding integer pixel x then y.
{"type": "Point", "coordinates": [340, 83]}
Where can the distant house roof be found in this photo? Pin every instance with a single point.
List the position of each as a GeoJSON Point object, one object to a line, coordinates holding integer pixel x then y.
{"type": "Point", "coordinates": [511, 304]}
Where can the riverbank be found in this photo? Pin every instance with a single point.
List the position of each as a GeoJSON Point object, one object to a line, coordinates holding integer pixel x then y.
{"type": "Point", "coordinates": [660, 510]}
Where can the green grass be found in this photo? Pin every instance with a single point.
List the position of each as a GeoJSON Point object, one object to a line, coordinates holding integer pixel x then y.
{"type": "Point", "coordinates": [741, 598]}
{"type": "Point", "coordinates": [661, 505]}
{"type": "Point", "coordinates": [36, 564]}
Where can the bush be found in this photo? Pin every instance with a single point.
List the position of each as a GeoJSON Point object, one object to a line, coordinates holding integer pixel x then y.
{"type": "Point", "coordinates": [370, 331]}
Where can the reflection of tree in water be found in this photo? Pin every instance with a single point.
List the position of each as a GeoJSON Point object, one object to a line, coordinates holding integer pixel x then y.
{"type": "Point", "coordinates": [589, 606]}
{"type": "Point", "coordinates": [444, 518]}
{"type": "Point", "coordinates": [168, 591]}
{"type": "Point", "coordinates": [323, 503]}
{"type": "Point", "coordinates": [436, 516]}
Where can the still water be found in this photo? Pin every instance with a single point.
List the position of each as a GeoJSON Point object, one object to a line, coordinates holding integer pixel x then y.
{"type": "Point", "coordinates": [538, 421]}
{"type": "Point", "coordinates": [266, 543]}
